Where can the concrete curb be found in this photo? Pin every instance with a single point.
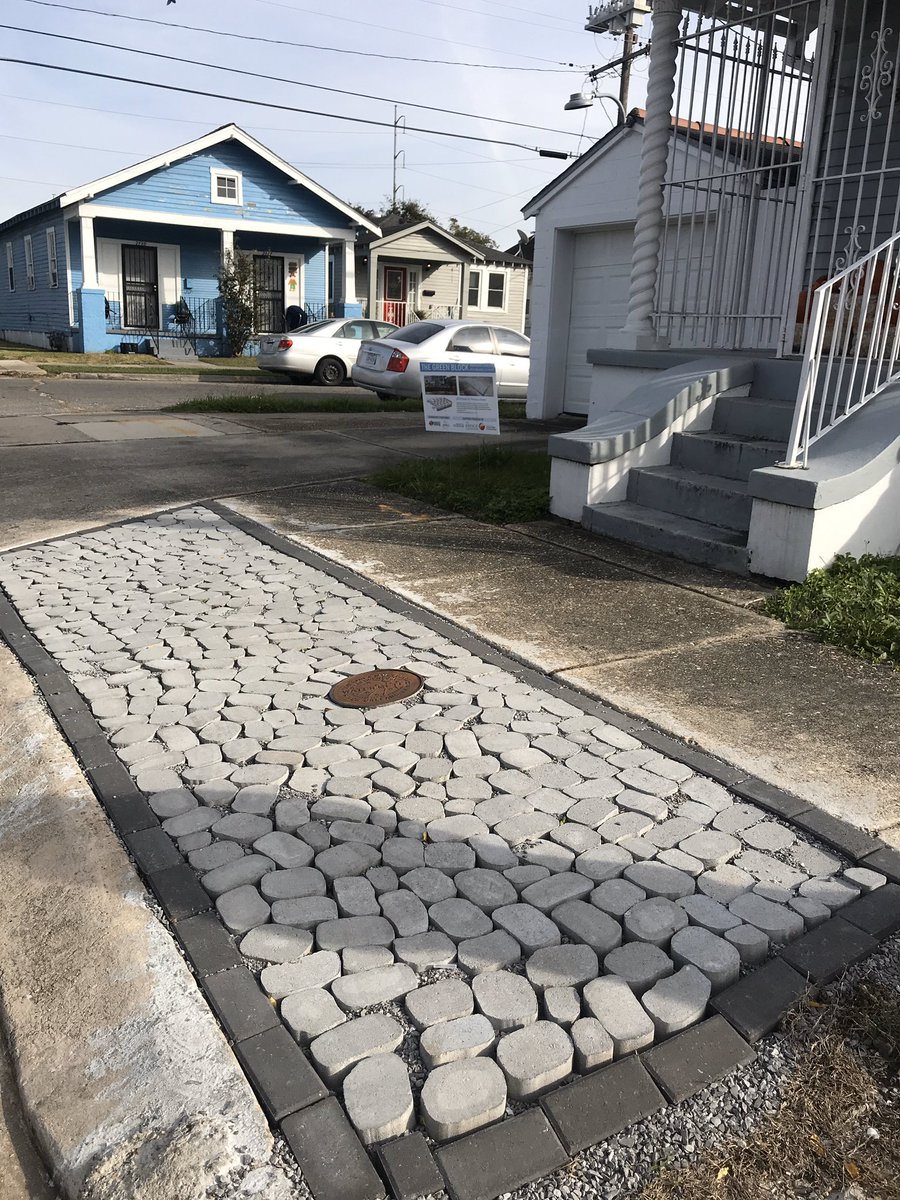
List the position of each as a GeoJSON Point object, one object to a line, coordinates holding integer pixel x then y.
{"type": "Point", "coordinates": [580, 1113]}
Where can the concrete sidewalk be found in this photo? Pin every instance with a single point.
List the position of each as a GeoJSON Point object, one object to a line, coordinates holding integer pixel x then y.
{"type": "Point", "coordinates": [678, 645]}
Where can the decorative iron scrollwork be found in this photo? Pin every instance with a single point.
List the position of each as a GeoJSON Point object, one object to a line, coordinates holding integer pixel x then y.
{"type": "Point", "coordinates": [876, 76]}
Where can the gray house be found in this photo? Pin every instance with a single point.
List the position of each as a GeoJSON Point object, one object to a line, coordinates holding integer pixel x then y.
{"type": "Point", "coordinates": [422, 270]}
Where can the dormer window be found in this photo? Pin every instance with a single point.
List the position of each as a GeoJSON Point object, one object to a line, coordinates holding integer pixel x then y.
{"type": "Point", "coordinates": [226, 187]}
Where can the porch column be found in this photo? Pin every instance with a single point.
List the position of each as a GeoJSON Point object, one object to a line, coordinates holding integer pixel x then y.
{"type": "Point", "coordinates": [639, 332]}
{"type": "Point", "coordinates": [227, 246]}
{"type": "Point", "coordinates": [88, 253]}
{"type": "Point", "coordinates": [374, 314]}
{"type": "Point", "coordinates": [352, 306]}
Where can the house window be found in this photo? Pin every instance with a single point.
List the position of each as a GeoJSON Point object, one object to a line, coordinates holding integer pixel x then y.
{"type": "Point", "coordinates": [29, 262]}
{"type": "Point", "coordinates": [52, 270]}
{"type": "Point", "coordinates": [474, 289]}
{"type": "Point", "coordinates": [226, 187]}
{"type": "Point", "coordinates": [10, 267]}
{"type": "Point", "coordinates": [487, 290]}
{"type": "Point", "coordinates": [496, 289]}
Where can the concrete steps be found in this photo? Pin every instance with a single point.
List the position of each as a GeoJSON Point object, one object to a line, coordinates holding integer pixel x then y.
{"type": "Point", "coordinates": [731, 455]}
{"type": "Point", "coordinates": [696, 541]}
{"type": "Point", "coordinates": [698, 506]}
{"type": "Point", "coordinates": [692, 494]}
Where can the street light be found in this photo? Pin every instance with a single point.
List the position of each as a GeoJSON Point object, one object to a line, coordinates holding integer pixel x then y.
{"type": "Point", "coordinates": [586, 99]}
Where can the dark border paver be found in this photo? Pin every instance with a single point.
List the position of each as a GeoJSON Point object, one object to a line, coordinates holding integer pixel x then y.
{"type": "Point", "coordinates": [843, 836]}
{"type": "Point", "coordinates": [283, 1078]}
{"type": "Point", "coordinates": [410, 1167]}
{"type": "Point", "coordinates": [331, 1156]}
{"type": "Point", "coordinates": [885, 860]}
{"type": "Point", "coordinates": [602, 1104]}
{"type": "Point", "coordinates": [179, 892]}
{"type": "Point", "coordinates": [878, 913]}
{"type": "Point", "coordinates": [826, 951]}
{"type": "Point", "coordinates": [207, 944]}
{"type": "Point", "coordinates": [153, 850]}
{"type": "Point", "coordinates": [755, 1004]}
{"type": "Point", "coordinates": [690, 1061]}
{"type": "Point", "coordinates": [484, 1165]}
{"type": "Point", "coordinates": [239, 1003]}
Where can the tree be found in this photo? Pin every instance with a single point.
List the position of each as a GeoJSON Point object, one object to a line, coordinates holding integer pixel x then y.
{"type": "Point", "coordinates": [236, 287]}
{"type": "Point", "coordinates": [410, 212]}
{"type": "Point", "coordinates": [466, 233]}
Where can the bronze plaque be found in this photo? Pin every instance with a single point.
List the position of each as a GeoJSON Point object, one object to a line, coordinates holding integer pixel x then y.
{"type": "Point", "coordinates": [374, 688]}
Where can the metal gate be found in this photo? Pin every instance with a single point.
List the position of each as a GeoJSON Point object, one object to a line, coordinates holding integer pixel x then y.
{"type": "Point", "coordinates": [268, 293]}
{"type": "Point", "coordinates": [732, 200]}
{"type": "Point", "coordinates": [140, 287]}
{"type": "Point", "coordinates": [855, 187]}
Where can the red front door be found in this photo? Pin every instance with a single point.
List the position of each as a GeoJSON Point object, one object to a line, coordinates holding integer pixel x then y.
{"type": "Point", "coordinates": [394, 293]}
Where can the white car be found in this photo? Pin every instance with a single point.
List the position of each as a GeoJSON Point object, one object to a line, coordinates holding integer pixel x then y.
{"type": "Point", "coordinates": [390, 365]}
{"type": "Point", "coordinates": [325, 350]}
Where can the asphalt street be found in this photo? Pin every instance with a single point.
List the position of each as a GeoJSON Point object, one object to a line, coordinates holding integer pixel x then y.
{"type": "Point", "coordinates": [76, 453]}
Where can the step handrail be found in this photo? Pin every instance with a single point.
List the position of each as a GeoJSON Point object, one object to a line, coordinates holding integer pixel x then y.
{"type": "Point", "coordinates": [852, 348]}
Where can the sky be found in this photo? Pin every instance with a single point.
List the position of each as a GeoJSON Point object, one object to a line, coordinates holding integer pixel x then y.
{"type": "Point", "coordinates": [59, 130]}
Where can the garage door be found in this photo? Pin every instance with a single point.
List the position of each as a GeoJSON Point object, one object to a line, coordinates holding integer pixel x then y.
{"type": "Point", "coordinates": [600, 276]}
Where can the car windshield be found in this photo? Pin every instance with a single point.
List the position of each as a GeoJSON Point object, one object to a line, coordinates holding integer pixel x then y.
{"type": "Point", "coordinates": [314, 328]}
{"type": "Point", "coordinates": [419, 331]}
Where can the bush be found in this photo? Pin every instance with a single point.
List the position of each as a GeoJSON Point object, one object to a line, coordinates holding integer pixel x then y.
{"type": "Point", "coordinates": [854, 604]}
{"type": "Point", "coordinates": [236, 287]}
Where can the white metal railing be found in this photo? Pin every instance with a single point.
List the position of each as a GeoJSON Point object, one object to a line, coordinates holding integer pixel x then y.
{"type": "Point", "coordinates": [852, 346]}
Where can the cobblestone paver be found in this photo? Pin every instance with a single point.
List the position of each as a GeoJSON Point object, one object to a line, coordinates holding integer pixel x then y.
{"type": "Point", "coordinates": [571, 894]}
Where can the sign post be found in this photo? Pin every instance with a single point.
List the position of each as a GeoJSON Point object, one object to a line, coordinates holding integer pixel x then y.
{"type": "Point", "coordinates": [460, 398]}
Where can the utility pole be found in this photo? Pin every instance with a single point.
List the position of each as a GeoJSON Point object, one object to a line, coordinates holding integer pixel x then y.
{"type": "Point", "coordinates": [625, 81]}
{"type": "Point", "coordinates": [395, 188]}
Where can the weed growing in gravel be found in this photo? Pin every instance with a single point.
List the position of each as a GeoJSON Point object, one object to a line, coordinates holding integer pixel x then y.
{"type": "Point", "coordinates": [496, 484]}
{"type": "Point", "coordinates": [854, 604]}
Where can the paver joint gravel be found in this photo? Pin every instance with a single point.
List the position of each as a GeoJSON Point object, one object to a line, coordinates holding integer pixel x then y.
{"type": "Point", "coordinates": [591, 891]}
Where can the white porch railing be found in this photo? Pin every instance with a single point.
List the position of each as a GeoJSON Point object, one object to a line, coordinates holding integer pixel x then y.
{"type": "Point", "coordinates": [398, 312]}
{"type": "Point", "coordinates": [852, 347]}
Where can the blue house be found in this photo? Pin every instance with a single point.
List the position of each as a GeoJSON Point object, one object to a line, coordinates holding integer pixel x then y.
{"type": "Point", "coordinates": [135, 256]}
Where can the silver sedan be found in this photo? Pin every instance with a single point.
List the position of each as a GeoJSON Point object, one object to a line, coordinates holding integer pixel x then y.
{"type": "Point", "coordinates": [390, 366]}
{"type": "Point", "coordinates": [325, 350]}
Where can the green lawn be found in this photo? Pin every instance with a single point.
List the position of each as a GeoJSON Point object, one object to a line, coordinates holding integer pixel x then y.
{"type": "Point", "coordinates": [493, 484]}
{"type": "Point", "coordinates": [854, 604]}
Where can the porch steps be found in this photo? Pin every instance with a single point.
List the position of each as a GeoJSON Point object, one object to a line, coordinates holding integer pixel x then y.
{"type": "Point", "coordinates": [696, 541]}
{"type": "Point", "coordinates": [698, 506]}
{"type": "Point", "coordinates": [733, 455]}
{"type": "Point", "coordinates": [692, 494]}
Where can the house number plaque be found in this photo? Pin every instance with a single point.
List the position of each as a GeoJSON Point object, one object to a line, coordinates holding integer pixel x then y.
{"type": "Point", "coordinates": [374, 688]}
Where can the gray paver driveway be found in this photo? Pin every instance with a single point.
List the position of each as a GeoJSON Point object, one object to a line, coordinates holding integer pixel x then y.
{"type": "Point", "coordinates": [482, 886]}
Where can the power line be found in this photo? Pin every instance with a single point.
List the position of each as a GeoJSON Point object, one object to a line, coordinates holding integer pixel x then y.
{"type": "Point", "coordinates": [117, 112]}
{"type": "Point", "coordinates": [311, 112]}
{"type": "Point", "coordinates": [249, 37]}
{"type": "Point", "coordinates": [319, 87]}
{"type": "Point", "coordinates": [404, 32]}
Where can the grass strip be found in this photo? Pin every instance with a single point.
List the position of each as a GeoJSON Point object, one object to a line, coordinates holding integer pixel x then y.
{"type": "Point", "coordinates": [853, 604]}
{"type": "Point", "coordinates": [312, 402]}
{"type": "Point", "coordinates": [493, 484]}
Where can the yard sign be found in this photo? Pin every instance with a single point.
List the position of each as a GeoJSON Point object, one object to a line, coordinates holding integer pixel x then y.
{"type": "Point", "coordinates": [460, 398]}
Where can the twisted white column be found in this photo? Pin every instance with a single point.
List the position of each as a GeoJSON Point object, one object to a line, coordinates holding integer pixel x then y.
{"type": "Point", "coordinates": [654, 159]}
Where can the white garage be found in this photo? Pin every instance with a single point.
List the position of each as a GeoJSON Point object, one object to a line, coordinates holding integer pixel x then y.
{"type": "Point", "coordinates": [601, 270]}
{"type": "Point", "coordinates": [583, 241]}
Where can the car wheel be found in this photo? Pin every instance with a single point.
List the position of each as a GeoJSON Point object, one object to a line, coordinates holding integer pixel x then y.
{"type": "Point", "coordinates": [331, 372]}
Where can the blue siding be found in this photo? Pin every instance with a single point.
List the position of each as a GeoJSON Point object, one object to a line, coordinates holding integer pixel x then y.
{"type": "Point", "coordinates": [44, 308]}
{"type": "Point", "coordinates": [184, 187]}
